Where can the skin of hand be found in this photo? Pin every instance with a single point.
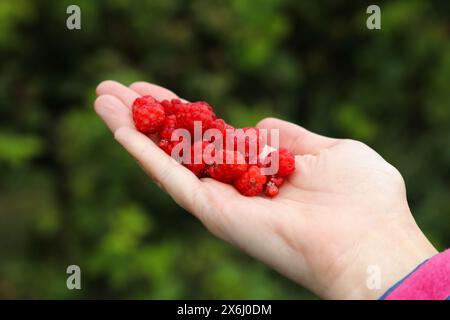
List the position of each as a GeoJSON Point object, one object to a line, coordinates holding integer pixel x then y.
{"type": "Point", "coordinates": [341, 216]}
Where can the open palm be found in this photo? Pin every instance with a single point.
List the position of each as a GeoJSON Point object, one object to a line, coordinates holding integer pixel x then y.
{"type": "Point", "coordinates": [341, 213]}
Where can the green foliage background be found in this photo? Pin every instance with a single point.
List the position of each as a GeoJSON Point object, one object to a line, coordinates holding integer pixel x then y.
{"type": "Point", "coordinates": [70, 195]}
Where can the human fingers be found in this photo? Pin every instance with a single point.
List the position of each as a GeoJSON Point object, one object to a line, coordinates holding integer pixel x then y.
{"type": "Point", "coordinates": [295, 138]}
{"type": "Point", "coordinates": [113, 112]}
{"type": "Point", "coordinates": [122, 92]}
{"type": "Point", "coordinates": [158, 92]}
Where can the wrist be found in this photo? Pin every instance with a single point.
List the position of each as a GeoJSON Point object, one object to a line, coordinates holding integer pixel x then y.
{"type": "Point", "coordinates": [384, 257]}
{"type": "Point", "coordinates": [429, 281]}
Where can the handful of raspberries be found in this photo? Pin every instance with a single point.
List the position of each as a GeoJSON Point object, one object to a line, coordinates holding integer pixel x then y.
{"type": "Point", "coordinates": [207, 157]}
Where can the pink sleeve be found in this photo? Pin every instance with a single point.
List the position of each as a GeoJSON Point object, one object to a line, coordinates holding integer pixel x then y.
{"type": "Point", "coordinates": [430, 281]}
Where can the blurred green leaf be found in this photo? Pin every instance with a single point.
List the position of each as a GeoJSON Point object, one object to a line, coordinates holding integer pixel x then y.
{"type": "Point", "coordinates": [15, 149]}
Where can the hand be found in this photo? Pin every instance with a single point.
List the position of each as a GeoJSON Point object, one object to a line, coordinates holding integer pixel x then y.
{"type": "Point", "coordinates": [342, 211]}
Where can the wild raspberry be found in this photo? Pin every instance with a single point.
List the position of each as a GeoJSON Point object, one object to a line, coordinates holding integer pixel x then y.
{"type": "Point", "coordinates": [197, 164]}
{"type": "Point", "coordinates": [172, 106]}
{"type": "Point", "coordinates": [273, 185]}
{"type": "Point", "coordinates": [286, 162]}
{"type": "Point", "coordinates": [271, 190]}
{"type": "Point", "coordinates": [168, 126]}
{"type": "Point", "coordinates": [251, 140]}
{"type": "Point", "coordinates": [167, 145]}
{"type": "Point", "coordinates": [148, 114]}
{"type": "Point", "coordinates": [276, 180]}
{"type": "Point", "coordinates": [251, 183]}
{"type": "Point", "coordinates": [243, 171]}
{"type": "Point", "coordinates": [221, 125]}
{"type": "Point", "coordinates": [229, 168]}
{"type": "Point", "coordinates": [196, 111]}
{"type": "Point", "coordinates": [253, 144]}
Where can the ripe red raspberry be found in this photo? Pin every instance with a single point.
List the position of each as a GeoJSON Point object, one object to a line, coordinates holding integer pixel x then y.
{"type": "Point", "coordinates": [273, 185]}
{"type": "Point", "coordinates": [197, 164]}
{"type": "Point", "coordinates": [276, 180]}
{"type": "Point", "coordinates": [148, 114]}
{"type": "Point", "coordinates": [196, 111]}
{"type": "Point", "coordinates": [167, 145]}
{"type": "Point", "coordinates": [230, 168]}
{"type": "Point", "coordinates": [271, 190]}
{"type": "Point", "coordinates": [252, 142]}
{"type": "Point", "coordinates": [221, 125]}
{"type": "Point", "coordinates": [168, 126]}
{"type": "Point", "coordinates": [151, 116]}
{"type": "Point", "coordinates": [172, 106]}
{"type": "Point", "coordinates": [251, 183]}
{"type": "Point", "coordinates": [286, 162]}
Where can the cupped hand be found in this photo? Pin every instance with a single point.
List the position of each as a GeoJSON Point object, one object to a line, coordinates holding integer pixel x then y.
{"type": "Point", "coordinates": [341, 219]}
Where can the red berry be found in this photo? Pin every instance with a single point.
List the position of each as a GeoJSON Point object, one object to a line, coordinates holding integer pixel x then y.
{"type": "Point", "coordinates": [167, 145]}
{"type": "Point", "coordinates": [221, 125]}
{"type": "Point", "coordinates": [271, 190]}
{"type": "Point", "coordinates": [253, 144]}
{"type": "Point", "coordinates": [148, 114]}
{"type": "Point", "coordinates": [273, 186]}
{"type": "Point", "coordinates": [197, 164]}
{"type": "Point", "coordinates": [196, 111]}
{"type": "Point", "coordinates": [251, 140]}
{"type": "Point", "coordinates": [276, 180]}
{"type": "Point", "coordinates": [286, 162]}
{"type": "Point", "coordinates": [251, 183]}
{"type": "Point", "coordinates": [168, 126]}
{"type": "Point", "coordinates": [230, 168]}
{"type": "Point", "coordinates": [151, 116]}
{"type": "Point", "coordinates": [172, 106]}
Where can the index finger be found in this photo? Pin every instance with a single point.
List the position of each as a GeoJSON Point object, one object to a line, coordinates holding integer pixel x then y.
{"type": "Point", "coordinates": [158, 92]}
